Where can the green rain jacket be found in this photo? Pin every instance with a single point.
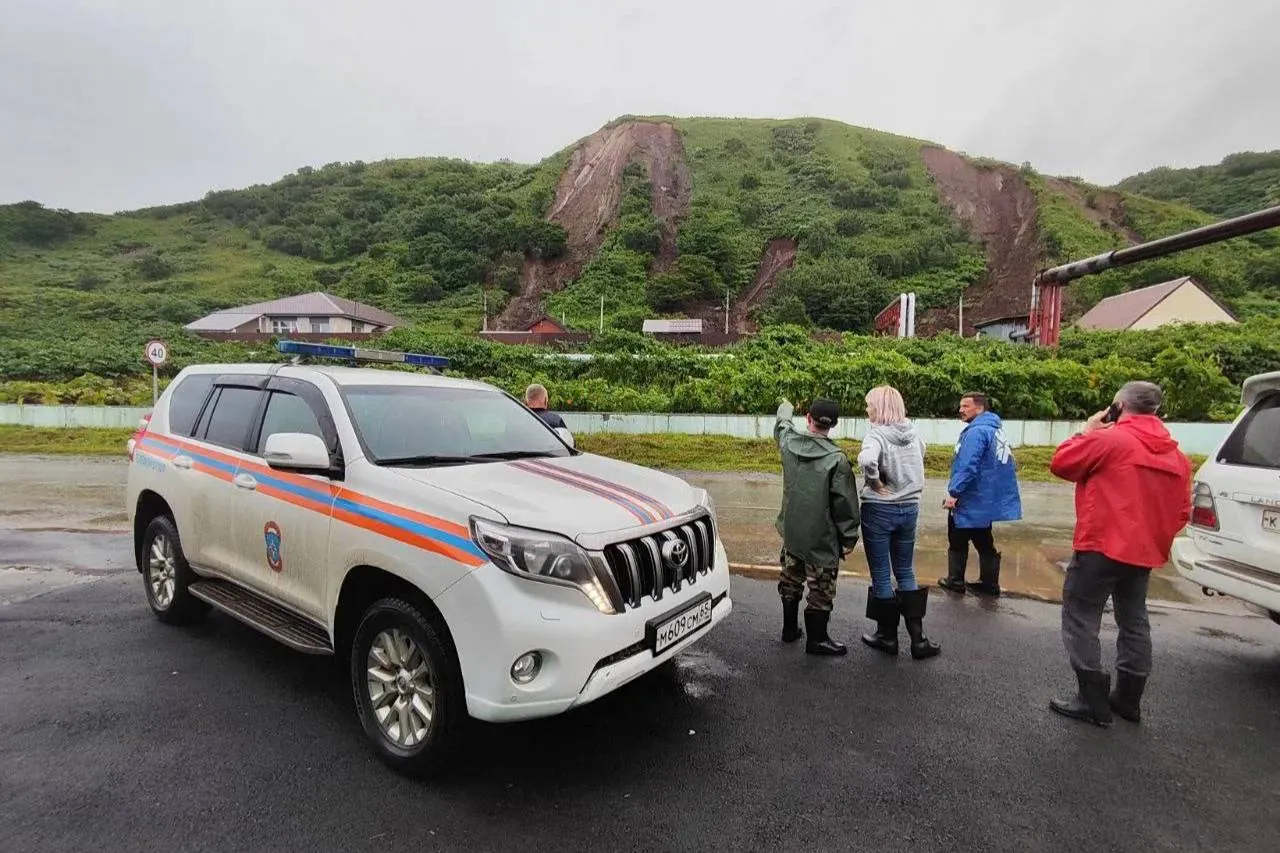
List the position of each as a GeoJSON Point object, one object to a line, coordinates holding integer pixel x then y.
{"type": "Point", "coordinates": [819, 518]}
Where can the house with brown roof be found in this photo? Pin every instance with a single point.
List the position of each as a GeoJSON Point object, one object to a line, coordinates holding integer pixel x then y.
{"type": "Point", "coordinates": [544, 330]}
{"type": "Point", "coordinates": [315, 316]}
{"type": "Point", "coordinates": [1179, 301]}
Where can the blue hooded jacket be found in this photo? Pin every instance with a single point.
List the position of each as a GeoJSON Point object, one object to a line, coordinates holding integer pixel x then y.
{"type": "Point", "coordinates": [984, 477]}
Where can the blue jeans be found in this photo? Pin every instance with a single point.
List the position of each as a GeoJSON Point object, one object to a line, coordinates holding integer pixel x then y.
{"type": "Point", "coordinates": [889, 540]}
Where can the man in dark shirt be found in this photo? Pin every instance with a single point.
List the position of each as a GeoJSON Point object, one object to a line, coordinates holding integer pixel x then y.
{"type": "Point", "coordinates": [535, 397]}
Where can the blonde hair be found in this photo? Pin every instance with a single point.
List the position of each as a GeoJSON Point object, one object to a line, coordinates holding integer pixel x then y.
{"type": "Point", "coordinates": [886, 405]}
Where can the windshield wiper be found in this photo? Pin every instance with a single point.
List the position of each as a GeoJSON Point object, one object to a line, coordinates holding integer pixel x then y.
{"type": "Point", "coordinates": [426, 461]}
{"type": "Point", "coordinates": [517, 454]}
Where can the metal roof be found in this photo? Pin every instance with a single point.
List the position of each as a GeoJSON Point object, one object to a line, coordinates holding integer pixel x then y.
{"type": "Point", "coordinates": [1124, 309]}
{"type": "Point", "coordinates": [222, 321]}
{"type": "Point", "coordinates": [315, 304]}
{"type": "Point", "coordinates": [678, 327]}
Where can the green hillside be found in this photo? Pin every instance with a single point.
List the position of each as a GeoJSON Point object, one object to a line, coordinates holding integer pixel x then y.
{"type": "Point", "coordinates": [79, 293]}
{"type": "Point", "coordinates": [1241, 183]}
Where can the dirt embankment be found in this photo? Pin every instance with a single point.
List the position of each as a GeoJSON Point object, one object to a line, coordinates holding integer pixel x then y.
{"type": "Point", "coordinates": [1000, 209]}
{"type": "Point", "coordinates": [1107, 210]}
{"type": "Point", "coordinates": [779, 255]}
{"type": "Point", "coordinates": [586, 205]}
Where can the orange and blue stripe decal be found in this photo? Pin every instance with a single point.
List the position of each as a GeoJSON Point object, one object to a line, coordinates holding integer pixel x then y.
{"type": "Point", "coordinates": [643, 510]}
{"type": "Point", "coordinates": [653, 505]}
{"type": "Point", "coordinates": [395, 522]}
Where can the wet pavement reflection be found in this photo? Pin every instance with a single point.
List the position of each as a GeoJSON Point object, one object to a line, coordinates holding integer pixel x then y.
{"type": "Point", "coordinates": [65, 515]}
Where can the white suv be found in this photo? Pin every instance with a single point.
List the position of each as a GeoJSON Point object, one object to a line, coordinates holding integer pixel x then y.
{"type": "Point", "coordinates": [457, 554]}
{"type": "Point", "coordinates": [1232, 545]}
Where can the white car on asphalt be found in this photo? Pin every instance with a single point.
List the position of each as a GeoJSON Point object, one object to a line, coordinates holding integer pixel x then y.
{"type": "Point", "coordinates": [458, 555]}
{"type": "Point", "coordinates": [1232, 545]}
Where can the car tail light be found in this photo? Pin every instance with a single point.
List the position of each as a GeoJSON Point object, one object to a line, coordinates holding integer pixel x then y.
{"type": "Point", "coordinates": [1204, 512]}
{"type": "Point", "coordinates": [132, 444]}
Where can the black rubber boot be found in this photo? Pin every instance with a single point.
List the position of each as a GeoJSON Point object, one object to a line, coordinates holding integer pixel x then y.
{"type": "Point", "coordinates": [914, 604]}
{"type": "Point", "coordinates": [1090, 703]}
{"type": "Point", "coordinates": [815, 622]}
{"type": "Point", "coordinates": [884, 612]}
{"type": "Point", "coordinates": [790, 620]}
{"type": "Point", "coordinates": [988, 575]}
{"type": "Point", "coordinates": [1126, 699]}
{"type": "Point", "coordinates": [956, 563]}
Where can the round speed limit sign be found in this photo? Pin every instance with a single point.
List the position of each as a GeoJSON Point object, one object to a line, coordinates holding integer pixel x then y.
{"type": "Point", "coordinates": [157, 352]}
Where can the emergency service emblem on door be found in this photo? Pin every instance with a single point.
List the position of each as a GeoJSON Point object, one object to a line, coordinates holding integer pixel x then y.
{"type": "Point", "coordinates": [271, 533]}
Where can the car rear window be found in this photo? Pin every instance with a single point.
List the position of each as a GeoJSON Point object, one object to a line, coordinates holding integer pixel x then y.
{"type": "Point", "coordinates": [186, 400]}
{"type": "Point", "coordinates": [233, 413]}
{"type": "Point", "coordinates": [1256, 440]}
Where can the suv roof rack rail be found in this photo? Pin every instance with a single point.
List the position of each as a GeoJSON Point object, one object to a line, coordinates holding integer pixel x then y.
{"type": "Point", "coordinates": [302, 351]}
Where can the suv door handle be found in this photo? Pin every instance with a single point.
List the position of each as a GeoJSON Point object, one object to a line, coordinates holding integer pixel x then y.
{"type": "Point", "coordinates": [183, 462]}
{"type": "Point", "coordinates": [245, 481]}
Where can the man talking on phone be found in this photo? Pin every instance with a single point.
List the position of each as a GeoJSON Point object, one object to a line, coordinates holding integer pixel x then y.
{"type": "Point", "coordinates": [1133, 496]}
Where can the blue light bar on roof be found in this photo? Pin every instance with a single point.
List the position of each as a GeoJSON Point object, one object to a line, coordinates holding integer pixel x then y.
{"type": "Point", "coordinates": [361, 354]}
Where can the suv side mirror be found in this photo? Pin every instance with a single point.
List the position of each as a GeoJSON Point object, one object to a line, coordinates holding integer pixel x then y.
{"type": "Point", "coordinates": [565, 435]}
{"type": "Point", "coordinates": [296, 451]}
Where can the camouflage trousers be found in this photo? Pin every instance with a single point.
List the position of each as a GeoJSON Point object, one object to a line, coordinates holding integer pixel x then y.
{"type": "Point", "coordinates": [822, 582]}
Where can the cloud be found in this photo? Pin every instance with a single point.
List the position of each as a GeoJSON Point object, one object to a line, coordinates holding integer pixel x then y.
{"type": "Point", "coordinates": [116, 104]}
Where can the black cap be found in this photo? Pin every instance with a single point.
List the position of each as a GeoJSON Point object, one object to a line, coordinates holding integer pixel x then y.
{"type": "Point", "coordinates": [825, 413]}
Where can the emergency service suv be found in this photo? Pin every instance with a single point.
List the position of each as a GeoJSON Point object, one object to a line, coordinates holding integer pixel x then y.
{"type": "Point", "coordinates": [1232, 546]}
{"type": "Point", "coordinates": [457, 554]}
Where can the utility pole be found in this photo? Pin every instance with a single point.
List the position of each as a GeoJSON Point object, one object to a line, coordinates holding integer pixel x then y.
{"type": "Point", "coordinates": [960, 324]}
{"type": "Point", "coordinates": [602, 313]}
{"type": "Point", "coordinates": [726, 310]}
{"type": "Point", "coordinates": [485, 325]}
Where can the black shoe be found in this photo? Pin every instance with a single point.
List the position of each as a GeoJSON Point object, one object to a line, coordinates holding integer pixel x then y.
{"type": "Point", "coordinates": [988, 575]}
{"type": "Point", "coordinates": [913, 605]}
{"type": "Point", "coordinates": [1126, 699]}
{"type": "Point", "coordinates": [790, 620]}
{"type": "Point", "coordinates": [956, 563]}
{"type": "Point", "coordinates": [884, 612]}
{"type": "Point", "coordinates": [815, 621]}
{"type": "Point", "coordinates": [1090, 703]}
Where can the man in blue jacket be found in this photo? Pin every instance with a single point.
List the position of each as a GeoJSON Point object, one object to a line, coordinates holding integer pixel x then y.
{"type": "Point", "coordinates": [983, 490]}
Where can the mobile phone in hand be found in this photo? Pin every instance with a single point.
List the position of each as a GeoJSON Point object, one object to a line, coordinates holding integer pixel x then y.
{"type": "Point", "coordinates": [1113, 412]}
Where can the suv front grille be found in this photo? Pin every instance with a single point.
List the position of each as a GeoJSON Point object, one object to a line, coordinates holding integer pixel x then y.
{"type": "Point", "coordinates": [640, 568]}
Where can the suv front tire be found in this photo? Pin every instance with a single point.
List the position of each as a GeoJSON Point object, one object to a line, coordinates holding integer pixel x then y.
{"type": "Point", "coordinates": [407, 686]}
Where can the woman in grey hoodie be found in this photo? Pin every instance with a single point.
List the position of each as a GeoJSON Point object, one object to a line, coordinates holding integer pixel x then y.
{"type": "Point", "coordinates": [892, 461]}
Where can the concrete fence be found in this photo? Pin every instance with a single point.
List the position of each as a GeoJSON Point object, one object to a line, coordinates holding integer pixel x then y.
{"type": "Point", "coordinates": [1197, 438]}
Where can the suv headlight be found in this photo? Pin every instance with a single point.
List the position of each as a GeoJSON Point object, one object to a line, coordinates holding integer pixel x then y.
{"type": "Point", "coordinates": [540, 556]}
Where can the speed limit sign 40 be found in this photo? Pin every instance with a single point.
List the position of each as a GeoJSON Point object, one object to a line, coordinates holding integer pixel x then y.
{"type": "Point", "coordinates": [157, 352]}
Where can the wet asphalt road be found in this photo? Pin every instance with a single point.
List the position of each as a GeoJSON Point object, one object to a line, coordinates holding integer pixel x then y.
{"type": "Point", "coordinates": [119, 733]}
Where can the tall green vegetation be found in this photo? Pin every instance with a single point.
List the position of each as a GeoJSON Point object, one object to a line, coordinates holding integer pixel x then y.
{"type": "Point", "coordinates": [1241, 183]}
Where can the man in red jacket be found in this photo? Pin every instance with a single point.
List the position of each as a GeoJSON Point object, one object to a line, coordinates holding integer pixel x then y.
{"type": "Point", "coordinates": [1133, 496]}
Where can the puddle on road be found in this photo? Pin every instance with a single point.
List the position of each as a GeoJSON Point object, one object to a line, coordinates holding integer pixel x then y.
{"type": "Point", "coordinates": [67, 512]}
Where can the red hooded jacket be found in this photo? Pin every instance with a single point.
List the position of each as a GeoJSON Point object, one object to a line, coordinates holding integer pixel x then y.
{"type": "Point", "coordinates": [1133, 489]}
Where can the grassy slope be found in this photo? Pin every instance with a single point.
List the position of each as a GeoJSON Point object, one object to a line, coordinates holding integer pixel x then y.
{"type": "Point", "coordinates": [672, 452]}
{"type": "Point", "coordinates": [859, 202]}
{"type": "Point", "coordinates": [1239, 184]}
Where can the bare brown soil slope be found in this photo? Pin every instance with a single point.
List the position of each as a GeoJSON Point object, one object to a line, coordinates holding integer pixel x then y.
{"type": "Point", "coordinates": [586, 205]}
{"type": "Point", "coordinates": [778, 256]}
{"type": "Point", "coordinates": [1000, 209]}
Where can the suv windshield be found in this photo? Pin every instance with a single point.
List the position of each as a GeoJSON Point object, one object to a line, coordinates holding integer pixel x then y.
{"type": "Point", "coordinates": [415, 425]}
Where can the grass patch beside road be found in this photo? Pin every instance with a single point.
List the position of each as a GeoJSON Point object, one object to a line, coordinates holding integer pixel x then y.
{"type": "Point", "coordinates": [65, 440]}
{"type": "Point", "coordinates": [682, 452]}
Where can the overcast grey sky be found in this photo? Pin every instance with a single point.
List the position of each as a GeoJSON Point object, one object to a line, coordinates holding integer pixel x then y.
{"type": "Point", "coordinates": [115, 104]}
